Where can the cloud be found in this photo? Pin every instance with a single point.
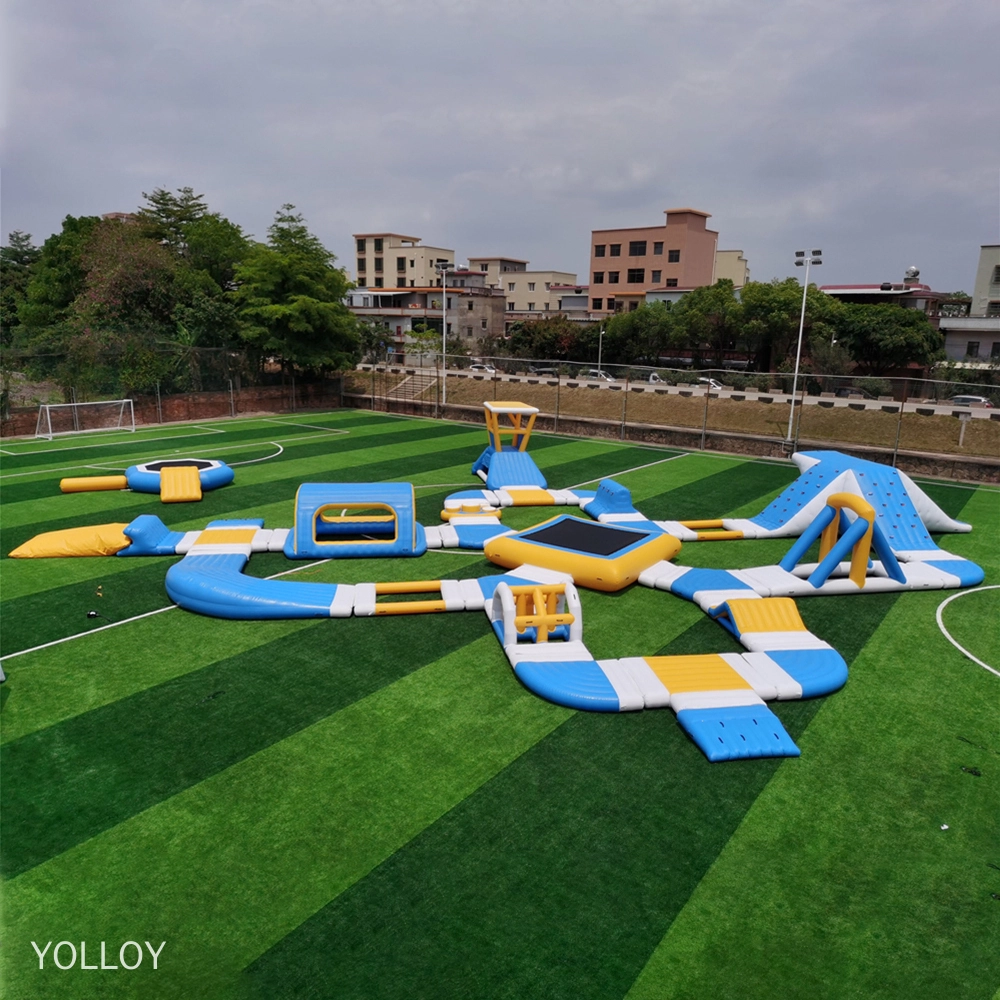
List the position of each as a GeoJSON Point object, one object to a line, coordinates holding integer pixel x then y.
{"type": "Point", "coordinates": [520, 127]}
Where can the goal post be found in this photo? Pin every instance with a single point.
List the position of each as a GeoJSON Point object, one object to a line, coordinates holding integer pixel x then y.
{"type": "Point", "coordinates": [77, 418]}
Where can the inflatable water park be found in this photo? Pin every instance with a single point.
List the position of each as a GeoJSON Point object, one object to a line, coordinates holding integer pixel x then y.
{"type": "Point", "coordinates": [872, 525]}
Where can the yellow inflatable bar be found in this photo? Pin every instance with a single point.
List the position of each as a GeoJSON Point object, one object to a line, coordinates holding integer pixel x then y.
{"type": "Point", "coordinates": [93, 484]}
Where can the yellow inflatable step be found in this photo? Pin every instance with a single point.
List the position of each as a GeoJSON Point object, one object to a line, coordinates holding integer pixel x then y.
{"type": "Point", "coordinates": [769, 614]}
{"type": "Point", "coordinates": [709, 672]}
{"type": "Point", "coordinates": [180, 484]}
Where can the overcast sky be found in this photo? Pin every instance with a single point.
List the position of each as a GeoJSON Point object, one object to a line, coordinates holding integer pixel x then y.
{"type": "Point", "coordinates": [867, 128]}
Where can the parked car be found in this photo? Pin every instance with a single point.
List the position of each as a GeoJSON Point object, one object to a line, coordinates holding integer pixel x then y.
{"type": "Point", "coordinates": [971, 401]}
{"type": "Point", "coordinates": [597, 373]}
{"type": "Point", "coordinates": [850, 390]}
{"type": "Point", "coordinates": [712, 383]}
{"type": "Point", "coordinates": [544, 372]}
{"type": "Point", "coordinates": [654, 378]}
{"type": "Point", "coordinates": [481, 368]}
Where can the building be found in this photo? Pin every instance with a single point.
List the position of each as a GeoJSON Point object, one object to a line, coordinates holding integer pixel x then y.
{"type": "Point", "coordinates": [908, 294]}
{"type": "Point", "coordinates": [391, 260]}
{"type": "Point", "coordinates": [528, 292]}
{"type": "Point", "coordinates": [626, 263]}
{"type": "Point", "coordinates": [975, 339]}
{"type": "Point", "coordinates": [733, 265]}
{"type": "Point", "coordinates": [986, 291]}
{"type": "Point", "coordinates": [474, 309]}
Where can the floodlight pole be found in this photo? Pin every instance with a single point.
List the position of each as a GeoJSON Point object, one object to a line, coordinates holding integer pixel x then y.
{"type": "Point", "coordinates": [443, 270]}
{"type": "Point", "coordinates": [600, 345]}
{"type": "Point", "coordinates": [814, 257]}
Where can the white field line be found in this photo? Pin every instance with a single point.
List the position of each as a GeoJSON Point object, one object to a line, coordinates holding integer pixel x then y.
{"type": "Point", "coordinates": [947, 634]}
{"type": "Point", "coordinates": [624, 472]}
{"type": "Point", "coordinates": [315, 427]}
{"type": "Point", "coordinates": [135, 618]}
{"type": "Point", "coordinates": [250, 461]}
{"type": "Point", "coordinates": [293, 439]}
{"type": "Point", "coordinates": [138, 441]}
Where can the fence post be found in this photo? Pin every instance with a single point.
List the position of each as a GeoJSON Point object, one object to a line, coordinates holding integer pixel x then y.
{"type": "Point", "coordinates": [625, 407]}
{"type": "Point", "coordinates": [232, 398]}
{"type": "Point", "coordinates": [798, 423]}
{"type": "Point", "coordinates": [555, 424]}
{"type": "Point", "coordinates": [704, 422]}
{"type": "Point", "coordinates": [159, 409]}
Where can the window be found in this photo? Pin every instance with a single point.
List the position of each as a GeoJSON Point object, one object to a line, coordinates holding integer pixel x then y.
{"type": "Point", "coordinates": [531, 286]}
{"type": "Point", "coordinates": [362, 282]}
{"type": "Point", "coordinates": [378, 265]}
{"type": "Point", "coordinates": [616, 249]}
{"type": "Point", "coordinates": [673, 256]}
{"type": "Point", "coordinates": [378, 283]}
{"type": "Point", "coordinates": [484, 267]}
{"type": "Point", "coordinates": [510, 307]}
{"type": "Point", "coordinates": [449, 301]}
{"type": "Point", "coordinates": [599, 249]}
{"type": "Point", "coordinates": [972, 349]}
{"type": "Point", "coordinates": [598, 277]}
{"type": "Point", "coordinates": [378, 245]}
{"type": "Point", "coordinates": [361, 246]}
{"type": "Point", "coordinates": [613, 277]}
{"type": "Point", "coordinates": [401, 281]}
{"type": "Point", "coordinates": [993, 308]}
{"type": "Point", "coordinates": [412, 262]}
{"type": "Point", "coordinates": [510, 286]}
{"type": "Point", "coordinates": [472, 305]}
{"type": "Point", "coordinates": [468, 331]}
{"type": "Point", "coordinates": [597, 304]}
{"type": "Point", "coordinates": [671, 282]}
{"type": "Point", "coordinates": [658, 249]}
{"type": "Point", "coordinates": [632, 306]}
{"type": "Point", "coordinates": [412, 283]}
{"type": "Point", "coordinates": [548, 285]}
{"type": "Point", "coordinates": [482, 323]}
{"type": "Point", "coordinates": [656, 277]}
{"type": "Point", "coordinates": [531, 308]}
{"type": "Point", "coordinates": [400, 263]}
{"type": "Point", "coordinates": [636, 275]}
{"type": "Point", "coordinates": [546, 307]}
{"type": "Point", "coordinates": [361, 265]}
{"type": "Point", "coordinates": [611, 305]}
{"type": "Point", "coordinates": [637, 248]}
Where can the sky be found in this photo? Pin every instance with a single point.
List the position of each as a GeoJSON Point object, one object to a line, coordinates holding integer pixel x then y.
{"type": "Point", "coordinates": [865, 128]}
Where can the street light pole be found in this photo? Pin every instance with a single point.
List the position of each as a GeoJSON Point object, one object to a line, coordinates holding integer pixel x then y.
{"type": "Point", "coordinates": [443, 270]}
{"type": "Point", "coordinates": [600, 345]}
{"type": "Point", "coordinates": [814, 257]}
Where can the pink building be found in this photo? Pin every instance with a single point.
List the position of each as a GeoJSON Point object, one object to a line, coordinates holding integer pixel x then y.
{"type": "Point", "coordinates": [626, 263]}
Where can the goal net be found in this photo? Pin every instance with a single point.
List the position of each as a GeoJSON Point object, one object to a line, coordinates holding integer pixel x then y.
{"type": "Point", "coordinates": [76, 418]}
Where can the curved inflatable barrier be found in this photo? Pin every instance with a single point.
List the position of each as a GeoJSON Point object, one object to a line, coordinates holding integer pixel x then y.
{"type": "Point", "coordinates": [94, 540]}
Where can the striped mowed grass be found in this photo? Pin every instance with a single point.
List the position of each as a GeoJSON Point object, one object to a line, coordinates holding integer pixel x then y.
{"type": "Point", "coordinates": [376, 808]}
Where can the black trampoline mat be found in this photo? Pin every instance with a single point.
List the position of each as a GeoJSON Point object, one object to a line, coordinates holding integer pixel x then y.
{"type": "Point", "coordinates": [584, 536]}
{"type": "Point", "coordinates": [177, 463]}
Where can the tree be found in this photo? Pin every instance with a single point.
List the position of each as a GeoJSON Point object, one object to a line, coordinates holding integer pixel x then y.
{"type": "Point", "coordinates": [550, 338]}
{"type": "Point", "coordinates": [166, 215]}
{"type": "Point", "coordinates": [637, 337]}
{"type": "Point", "coordinates": [710, 317]}
{"type": "Point", "coordinates": [291, 299]}
{"type": "Point", "coordinates": [883, 337]}
{"type": "Point", "coordinates": [16, 262]}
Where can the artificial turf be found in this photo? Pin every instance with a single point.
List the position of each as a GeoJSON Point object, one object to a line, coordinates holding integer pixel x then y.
{"type": "Point", "coordinates": [364, 808]}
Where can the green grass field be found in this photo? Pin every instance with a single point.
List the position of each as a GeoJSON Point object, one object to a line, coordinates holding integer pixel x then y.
{"type": "Point", "coordinates": [369, 808]}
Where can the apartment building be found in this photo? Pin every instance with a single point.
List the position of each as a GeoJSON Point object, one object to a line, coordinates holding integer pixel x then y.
{"type": "Point", "coordinates": [391, 260]}
{"type": "Point", "coordinates": [474, 311]}
{"type": "Point", "coordinates": [626, 263]}
{"type": "Point", "coordinates": [733, 265]}
{"type": "Point", "coordinates": [975, 339]}
{"type": "Point", "coordinates": [527, 291]}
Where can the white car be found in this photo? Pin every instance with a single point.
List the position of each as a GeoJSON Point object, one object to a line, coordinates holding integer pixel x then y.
{"type": "Point", "coordinates": [711, 383]}
{"type": "Point", "coordinates": [598, 373]}
{"type": "Point", "coordinates": [971, 401]}
{"type": "Point", "coordinates": [481, 368]}
{"type": "Point", "coordinates": [654, 378]}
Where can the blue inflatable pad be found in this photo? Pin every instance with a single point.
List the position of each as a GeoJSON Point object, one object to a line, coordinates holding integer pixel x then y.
{"type": "Point", "coordinates": [475, 536]}
{"type": "Point", "coordinates": [144, 480]}
{"type": "Point", "coordinates": [819, 671]}
{"type": "Point", "coordinates": [513, 468]}
{"type": "Point", "coordinates": [741, 732]}
{"type": "Point", "coordinates": [573, 683]}
{"type": "Point", "coordinates": [215, 585]}
{"type": "Point", "coordinates": [483, 462]}
{"type": "Point", "coordinates": [969, 573]}
{"type": "Point", "coordinates": [611, 498]}
{"type": "Point", "coordinates": [706, 579]}
{"type": "Point", "coordinates": [150, 537]}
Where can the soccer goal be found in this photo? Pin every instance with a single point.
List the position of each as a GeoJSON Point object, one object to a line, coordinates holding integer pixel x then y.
{"type": "Point", "coordinates": [75, 418]}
